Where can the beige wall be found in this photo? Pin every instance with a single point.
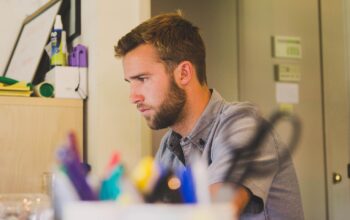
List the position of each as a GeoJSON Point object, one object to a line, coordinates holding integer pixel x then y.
{"type": "Point", "coordinates": [112, 122]}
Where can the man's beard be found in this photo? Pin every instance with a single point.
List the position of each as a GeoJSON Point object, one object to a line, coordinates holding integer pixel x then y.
{"type": "Point", "coordinates": [171, 110]}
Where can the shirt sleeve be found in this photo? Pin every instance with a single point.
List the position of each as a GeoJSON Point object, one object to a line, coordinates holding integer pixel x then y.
{"type": "Point", "coordinates": [235, 130]}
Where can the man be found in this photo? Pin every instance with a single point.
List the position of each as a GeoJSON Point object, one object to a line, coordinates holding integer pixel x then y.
{"type": "Point", "coordinates": [164, 63]}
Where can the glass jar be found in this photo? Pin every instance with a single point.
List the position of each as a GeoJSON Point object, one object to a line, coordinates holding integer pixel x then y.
{"type": "Point", "coordinates": [25, 207]}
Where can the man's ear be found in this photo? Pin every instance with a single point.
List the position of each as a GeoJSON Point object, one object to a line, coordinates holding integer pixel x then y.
{"type": "Point", "coordinates": [185, 72]}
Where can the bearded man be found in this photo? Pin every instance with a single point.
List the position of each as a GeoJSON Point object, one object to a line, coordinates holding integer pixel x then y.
{"type": "Point", "coordinates": [164, 63]}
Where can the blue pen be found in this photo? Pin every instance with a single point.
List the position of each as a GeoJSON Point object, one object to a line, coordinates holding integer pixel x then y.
{"type": "Point", "coordinates": [187, 188]}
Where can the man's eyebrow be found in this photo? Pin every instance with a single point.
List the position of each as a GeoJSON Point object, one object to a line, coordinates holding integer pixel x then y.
{"type": "Point", "coordinates": [136, 76]}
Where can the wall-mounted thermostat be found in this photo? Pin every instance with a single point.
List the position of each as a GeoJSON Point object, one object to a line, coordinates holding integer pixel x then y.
{"type": "Point", "coordinates": [287, 73]}
{"type": "Point", "coordinates": [286, 47]}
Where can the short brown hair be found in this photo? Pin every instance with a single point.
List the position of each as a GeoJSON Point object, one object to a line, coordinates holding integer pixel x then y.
{"type": "Point", "coordinates": [175, 39]}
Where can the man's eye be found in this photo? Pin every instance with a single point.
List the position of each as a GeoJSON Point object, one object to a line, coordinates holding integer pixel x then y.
{"type": "Point", "coordinates": [142, 79]}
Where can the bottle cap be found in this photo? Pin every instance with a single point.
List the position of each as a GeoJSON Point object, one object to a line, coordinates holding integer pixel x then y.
{"type": "Point", "coordinates": [58, 23]}
{"type": "Point", "coordinates": [44, 89]}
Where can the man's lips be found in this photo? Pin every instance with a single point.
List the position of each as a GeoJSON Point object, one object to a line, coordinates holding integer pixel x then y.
{"type": "Point", "coordinates": [142, 108]}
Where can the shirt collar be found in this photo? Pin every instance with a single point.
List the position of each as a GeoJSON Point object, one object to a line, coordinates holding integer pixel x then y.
{"type": "Point", "coordinates": [199, 134]}
{"type": "Point", "coordinates": [174, 145]}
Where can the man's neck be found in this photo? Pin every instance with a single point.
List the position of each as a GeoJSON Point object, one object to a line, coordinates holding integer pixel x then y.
{"type": "Point", "coordinates": [197, 101]}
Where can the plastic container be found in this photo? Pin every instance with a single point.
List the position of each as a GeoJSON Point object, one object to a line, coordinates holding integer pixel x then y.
{"type": "Point", "coordinates": [58, 44]}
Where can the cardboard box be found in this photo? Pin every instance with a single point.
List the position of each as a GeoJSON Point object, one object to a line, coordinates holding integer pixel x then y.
{"type": "Point", "coordinates": [68, 82]}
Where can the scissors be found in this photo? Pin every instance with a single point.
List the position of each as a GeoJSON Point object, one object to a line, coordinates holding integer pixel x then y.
{"type": "Point", "coordinates": [248, 152]}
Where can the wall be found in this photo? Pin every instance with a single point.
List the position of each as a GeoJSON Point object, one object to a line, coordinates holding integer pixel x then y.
{"type": "Point", "coordinates": [258, 21]}
{"type": "Point", "coordinates": [112, 122]}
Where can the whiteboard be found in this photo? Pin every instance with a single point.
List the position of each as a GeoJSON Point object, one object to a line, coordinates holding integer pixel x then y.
{"type": "Point", "coordinates": [31, 42]}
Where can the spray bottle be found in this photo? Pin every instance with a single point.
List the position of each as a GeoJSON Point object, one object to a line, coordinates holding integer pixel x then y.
{"type": "Point", "coordinates": [58, 44]}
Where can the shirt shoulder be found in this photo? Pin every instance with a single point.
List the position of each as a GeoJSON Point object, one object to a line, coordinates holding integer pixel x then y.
{"type": "Point", "coordinates": [240, 110]}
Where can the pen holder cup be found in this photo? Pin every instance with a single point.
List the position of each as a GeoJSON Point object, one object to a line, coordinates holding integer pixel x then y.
{"type": "Point", "coordinates": [111, 211]}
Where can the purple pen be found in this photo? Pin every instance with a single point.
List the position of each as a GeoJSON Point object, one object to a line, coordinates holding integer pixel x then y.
{"type": "Point", "coordinates": [76, 175]}
{"type": "Point", "coordinates": [73, 144]}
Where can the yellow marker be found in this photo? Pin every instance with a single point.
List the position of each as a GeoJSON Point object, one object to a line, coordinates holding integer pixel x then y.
{"type": "Point", "coordinates": [286, 107]}
{"type": "Point", "coordinates": [145, 175]}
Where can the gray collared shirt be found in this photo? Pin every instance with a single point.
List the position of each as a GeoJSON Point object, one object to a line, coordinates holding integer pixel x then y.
{"type": "Point", "coordinates": [224, 127]}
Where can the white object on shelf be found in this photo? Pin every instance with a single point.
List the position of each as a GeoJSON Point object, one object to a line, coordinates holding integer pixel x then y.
{"type": "Point", "coordinates": [68, 82]}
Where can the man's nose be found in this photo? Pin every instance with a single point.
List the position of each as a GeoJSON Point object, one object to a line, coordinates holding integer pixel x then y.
{"type": "Point", "coordinates": [135, 96]}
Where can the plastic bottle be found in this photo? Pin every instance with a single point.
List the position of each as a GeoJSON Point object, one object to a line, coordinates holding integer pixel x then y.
{"type": "Point", "coordinates": [58, 44]}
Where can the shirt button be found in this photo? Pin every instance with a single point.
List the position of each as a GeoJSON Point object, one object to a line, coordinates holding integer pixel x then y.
{"type": "Point", "coordinates": [201, 142]}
